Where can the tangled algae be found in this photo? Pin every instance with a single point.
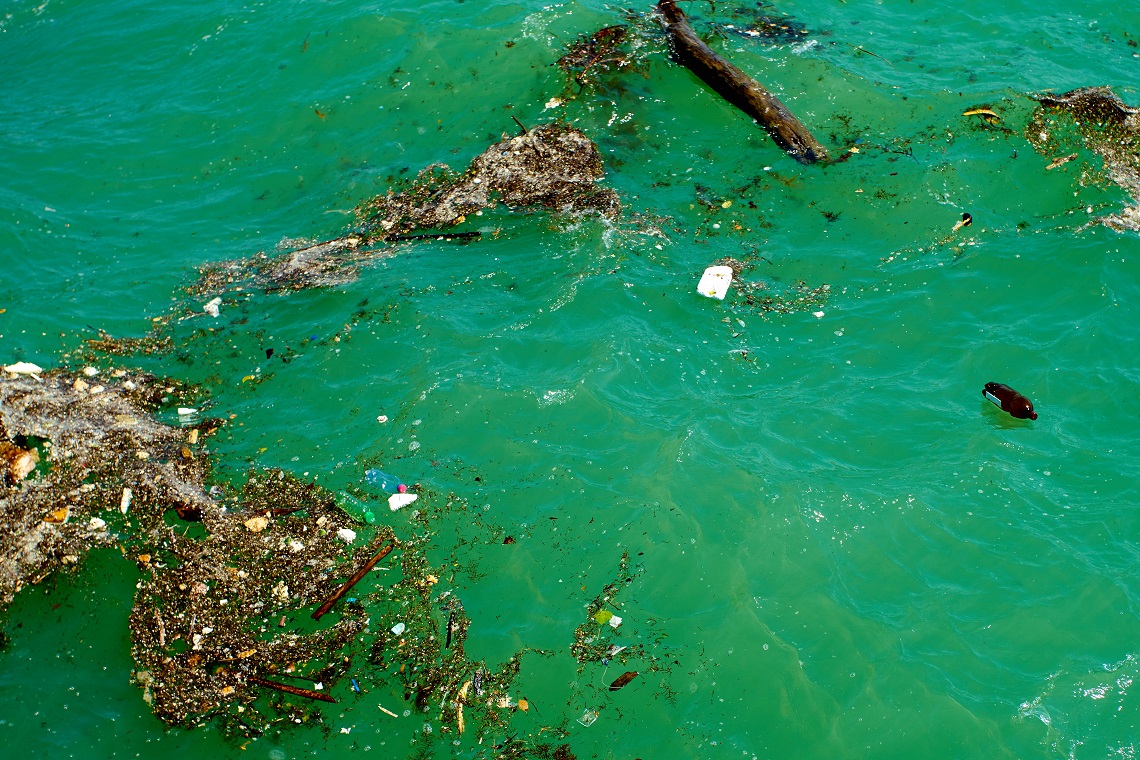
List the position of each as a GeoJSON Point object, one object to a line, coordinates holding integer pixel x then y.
{"type": "Point", "coordinates": [552, 166]}
{"type": "Point", "coordinates": [1098, 119]}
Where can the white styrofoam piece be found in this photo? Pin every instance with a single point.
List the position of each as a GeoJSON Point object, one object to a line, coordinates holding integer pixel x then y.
{"type": "Point", "coordinates": [715, 281]}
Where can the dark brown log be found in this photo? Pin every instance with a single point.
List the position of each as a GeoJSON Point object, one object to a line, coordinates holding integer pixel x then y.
{"type": "Point", "coordinates": [353, 580]}
{"type": "Point", "coordinates": [738, 88]}
{"type": "Point", "coordinates": [294, 690]}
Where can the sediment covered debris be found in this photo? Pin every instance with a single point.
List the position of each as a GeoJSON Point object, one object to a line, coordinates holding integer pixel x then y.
{"type": "Point", "coordinates": [97, 437]}
{"type": "Point", "coordinates": [552, 166]}
{"type": "Point", "coordinates": [1096, 117]}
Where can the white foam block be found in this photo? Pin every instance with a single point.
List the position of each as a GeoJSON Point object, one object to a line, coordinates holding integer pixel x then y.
{"type": "Point", "coordinates": [715, 281]}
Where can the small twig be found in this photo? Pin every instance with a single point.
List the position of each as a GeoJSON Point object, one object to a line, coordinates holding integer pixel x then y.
{"type": "Point", "coordinates": [294, 690]}
{"type": "Point", "coordinates": [353, 580]}
{"type": "Point", "coordinates": [862, 49]}
{"type": "Point", "coordinates": [523, 128]}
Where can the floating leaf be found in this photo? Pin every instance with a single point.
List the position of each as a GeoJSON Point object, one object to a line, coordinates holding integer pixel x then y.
{"type": "Point", "coordinates": [603, 616]}
{"type": "Point", "coordinates": [623, 679]}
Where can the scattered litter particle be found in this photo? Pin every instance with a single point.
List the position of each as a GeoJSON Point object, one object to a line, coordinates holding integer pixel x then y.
{"type": "Point", "coordinates": [257, 524]}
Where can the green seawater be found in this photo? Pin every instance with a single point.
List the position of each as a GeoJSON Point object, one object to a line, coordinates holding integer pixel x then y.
{"type": "Point", "coordinates": [838, 547]}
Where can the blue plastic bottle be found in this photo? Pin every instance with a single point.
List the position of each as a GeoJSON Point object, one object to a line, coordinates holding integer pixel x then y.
{"type": "Point", "coordinates": [382, 480]}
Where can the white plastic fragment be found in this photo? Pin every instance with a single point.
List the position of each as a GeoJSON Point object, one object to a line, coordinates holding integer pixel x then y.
{"type": "Point", "coordinates": [397, 500]}
{"type": "Point", "coordinates": [90, 371]}
{"type": "Point", "coordinates": [347, 535]}
{"type": "Point", "coordinates": [715, 281]}
{"type": "Point", "coordinates": [24, 368]}
{"type": "Point", "coordinates": [817, 314]}
{"type": "Point", "coordinates": [186, 411]}
{"type": "Point", "coordinates": [213, 307]}
{"type": "Point", "coordinates": [399, 628]}
{"type": "Point", "coordinates": [614, 621]}
{"type": "Point", "coordinates": [97, 524]}
{"type": "Point", "coordinates": [125, 502]}
{"type": "Point", "coordinates": [382, 419]}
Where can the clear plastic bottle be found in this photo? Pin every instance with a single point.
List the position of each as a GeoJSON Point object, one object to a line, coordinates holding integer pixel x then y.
{"type": "Point", "coordinates": [382, 480]}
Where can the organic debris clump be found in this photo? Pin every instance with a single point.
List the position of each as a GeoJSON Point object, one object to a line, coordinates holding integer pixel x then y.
{"type": "Point", "coordinates": [551, 166]}
{"type": "Point", "coordinates": [1097, 118]}
{"type": "Point", "coordinates": [593, 53]}
{"type": "Point", "coordinates": [763, 24]}
{"type": "Point", "coordinates": [799, 297]}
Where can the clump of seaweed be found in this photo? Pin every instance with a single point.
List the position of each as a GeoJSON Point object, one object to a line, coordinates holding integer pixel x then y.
{"type": "Point", "coordinates": [1106, 126]}
{"type": "Point", "coordinates": [552, 166]}
{"type": "Point", "coordinates": [592, 642]}
{"type": "Point", "coordinates": [760, 298]}
{"type": "Point", "coordinates": [798, 297]}
{"type": "Point", "coordinates": [592, 54]}
{"type": "Point", "coordinates": [763, 24]}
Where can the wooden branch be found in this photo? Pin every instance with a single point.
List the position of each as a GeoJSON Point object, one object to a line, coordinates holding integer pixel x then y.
{"type": "Point", "coordinates": [353, 580]}
{"type": "Point", "coordinates": [738, 88]}
{"type": "Point", "coordinates": [294, 690]}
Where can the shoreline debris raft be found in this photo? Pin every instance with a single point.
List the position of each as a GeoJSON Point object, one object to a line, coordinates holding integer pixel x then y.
{"type": "Point", "coordinates": [738, 88]}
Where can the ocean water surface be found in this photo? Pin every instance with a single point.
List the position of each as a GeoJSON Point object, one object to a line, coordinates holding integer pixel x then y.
{"type": "Point", "coordinates": [837, 547]}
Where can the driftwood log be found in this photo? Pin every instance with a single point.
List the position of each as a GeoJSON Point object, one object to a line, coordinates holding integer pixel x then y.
{"type": "Point", "coordinates": [738, 88]}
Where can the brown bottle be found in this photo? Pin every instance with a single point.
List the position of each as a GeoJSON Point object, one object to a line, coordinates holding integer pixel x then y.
{"type": "Point", "coordinates": [1010, 401]}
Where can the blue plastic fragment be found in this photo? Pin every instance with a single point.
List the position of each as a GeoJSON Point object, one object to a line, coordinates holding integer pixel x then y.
{"type": "Point", "coordinates": [355, 685]}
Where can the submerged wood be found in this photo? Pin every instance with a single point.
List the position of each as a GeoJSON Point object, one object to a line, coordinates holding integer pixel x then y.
{"type": "Point", "coordinates": [738, 88]}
